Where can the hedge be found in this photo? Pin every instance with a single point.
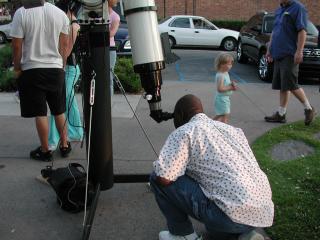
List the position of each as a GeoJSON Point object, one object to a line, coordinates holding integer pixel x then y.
{"type": "Point", "coordinates": [123, 69]}
{"type": "Point", "coordinates": [7, 80]}
{"type": "Point", "coordinates": [128, 78]}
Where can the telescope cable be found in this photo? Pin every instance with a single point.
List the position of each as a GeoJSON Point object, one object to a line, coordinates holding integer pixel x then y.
{"type": "Point", "coordinates": [251, 101]}
{"type": "Point", "coordinates": [116, 79]}
{"type": "Point", "coordinates": [91, 102]}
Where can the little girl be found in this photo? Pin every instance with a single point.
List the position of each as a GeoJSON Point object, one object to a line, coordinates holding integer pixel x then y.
{"type": "Point", "coordinates": [225, 87]}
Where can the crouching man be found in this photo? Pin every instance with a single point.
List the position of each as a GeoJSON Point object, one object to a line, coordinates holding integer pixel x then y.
{"type": "Point", "coordinates": [207, 170]}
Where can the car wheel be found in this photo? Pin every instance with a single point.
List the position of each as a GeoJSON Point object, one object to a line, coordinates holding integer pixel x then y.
{"type": "Point", "coordinates": [229, 44]}
{"type": "Point", "coordinates": [241, 58]}
{"type": "Point", "coordinates": [265, 69]}
{"type": "Point", "coordinates": [172, 41]}
{"type": "Point", "coordinates": [2, 37]}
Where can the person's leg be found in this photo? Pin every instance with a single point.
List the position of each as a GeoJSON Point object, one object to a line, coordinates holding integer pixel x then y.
{"type": "Point", "coordinates": [56, 99]}
{"type": "Point", "coordinates": [185, 198]}
{"type": "Point", "coordinates": [173, 206]}
{"type": "Point", "coordinates": [113, 59]}
{"type": "Point", "coordinates": [301, 96]}
{"type": "Point", "coordinates": [284, 98]}
{"type": "Point", "coordinates": [54, 135]}
{"type": "Point", "coordinates": [280, 115]}
{"type": "Point", "coordinates": [217, 118]}
{"type": "Point", "coordinates": [225, 118]}
{"type": "Point", "coordinates": [75, 129]}
{"type": "Point", "coordinates": [43, 129]}
{"type": "Point", "coordinates": [62, 129]}
{"type": "Point", "coordinates": [290, 73]}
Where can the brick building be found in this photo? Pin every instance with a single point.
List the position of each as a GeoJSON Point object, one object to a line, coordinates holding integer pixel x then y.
{"type": "Point", "coordinates": [229, 9]}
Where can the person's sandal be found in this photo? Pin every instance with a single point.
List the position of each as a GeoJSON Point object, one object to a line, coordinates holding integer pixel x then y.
{"type": "Point", "coordinates": [38, 154]}
{"type": "Point", "coordinates": [64, 151]}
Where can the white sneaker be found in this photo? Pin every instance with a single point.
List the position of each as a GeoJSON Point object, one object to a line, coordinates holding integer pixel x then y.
{"type": "Point", "coordinates": [52, 147]}
{"type": "Point", "coordinates": [16, 97]}
{"type": "Point", "coordinates": [252, 235]}
{"type": "Point", "coordinates": [166, 235]}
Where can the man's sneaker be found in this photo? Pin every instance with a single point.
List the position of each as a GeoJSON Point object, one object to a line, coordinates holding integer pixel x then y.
{"type": "Point", "coordinates": [166, 235]}
{"type": "Point", "coordinates": [276, 118]}
{"type": "Point", "coordinates": [309, 116]}
{"type": "Point", "coordinates": [252, 235]}
{"type": "Point", "coordinates": [38, 154]}
{"type": "Point", "coordinates": [64, 151]}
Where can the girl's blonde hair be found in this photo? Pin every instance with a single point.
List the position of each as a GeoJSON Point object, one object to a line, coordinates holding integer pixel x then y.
{"type": "Point", "coordinates": [222, 59]}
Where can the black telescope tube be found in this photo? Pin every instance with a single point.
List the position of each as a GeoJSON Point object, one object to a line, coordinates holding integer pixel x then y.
{"type": "Point", "coordinates": [151, 81]}
{"type": "Point", "coordinates": [96, 59]}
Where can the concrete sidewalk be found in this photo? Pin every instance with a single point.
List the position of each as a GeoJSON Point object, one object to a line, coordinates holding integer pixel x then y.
{"type": "Point", "coordinates": [128, 211]}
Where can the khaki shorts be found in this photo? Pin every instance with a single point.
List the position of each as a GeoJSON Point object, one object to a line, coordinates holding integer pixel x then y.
{"type": "Point", "coordinates": [285, 74]}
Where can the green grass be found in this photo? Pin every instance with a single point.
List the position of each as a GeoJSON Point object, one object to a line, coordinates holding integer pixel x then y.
{"type": "Point", "coordinates": [295, 184]}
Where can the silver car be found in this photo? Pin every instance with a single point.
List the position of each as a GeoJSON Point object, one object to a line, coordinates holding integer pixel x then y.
{"type": "Point", "coordinates": [5, 32]}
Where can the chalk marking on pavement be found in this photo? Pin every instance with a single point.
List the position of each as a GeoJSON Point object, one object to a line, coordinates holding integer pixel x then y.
{"type": "Point", "coordinates": [181, 77]}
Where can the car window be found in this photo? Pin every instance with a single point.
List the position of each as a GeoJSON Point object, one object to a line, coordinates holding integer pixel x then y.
{"type": "Point", "coordinates": [200, 24]}
{"type": "Point", "coordinates": [311, 29]}
{"type": "Point", "coordinates": [254, 21]}
{"type": "Point", "coordinates": [268, 24]}
{"type": "Point", "coordinates": [181, 23]}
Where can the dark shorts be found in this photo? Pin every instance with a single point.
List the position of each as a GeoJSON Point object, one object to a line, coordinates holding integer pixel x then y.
{"type": "Point", "coordinates": [40, 86]}
{"type": "Point", "coordinates": [285, 74]}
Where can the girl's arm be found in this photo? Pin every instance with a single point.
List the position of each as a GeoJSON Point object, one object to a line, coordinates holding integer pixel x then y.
{"type": "Point", "coordinates": [114, 27]}
{"type": "Point", "coordinates": [74, 28]}
{"type": "Point", "coordinates": [222, 88]}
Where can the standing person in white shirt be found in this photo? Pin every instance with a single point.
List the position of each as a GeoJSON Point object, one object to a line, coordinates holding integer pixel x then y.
{"type": "Point", "coordinates": [207, 170]}
{"type": "Point", "coordinates": [40, 43]}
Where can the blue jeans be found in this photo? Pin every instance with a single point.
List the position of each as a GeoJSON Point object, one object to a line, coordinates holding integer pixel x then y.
{"type": "Point", "coordinates": [184, 198]}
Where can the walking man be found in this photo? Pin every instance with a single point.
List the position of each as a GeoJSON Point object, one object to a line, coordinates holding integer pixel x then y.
{"type": "Point", "coordinates": [286, 50]}
{"type": "Point", "coordinates": [39, 41]}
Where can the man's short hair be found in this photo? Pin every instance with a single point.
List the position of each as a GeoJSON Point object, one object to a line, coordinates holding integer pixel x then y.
{"type": "Point", "coordinates": [186, 107]}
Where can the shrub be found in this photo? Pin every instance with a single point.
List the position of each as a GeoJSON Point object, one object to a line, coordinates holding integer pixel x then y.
{"type": "Point", "coordinates": [229, 24]}
{"type": "Point", "coordinates": [128, 78]}
{"type": "Point", "coordinates": [7, 80]}
{"type": "Point", "coordinates": [123, 69]}
{"type": "Point", "coordinates": [6, 56]}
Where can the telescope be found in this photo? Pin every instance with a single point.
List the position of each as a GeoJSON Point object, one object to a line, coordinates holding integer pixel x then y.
{"type": "Point", "coordinates": [147, 54]}
{"type": "Point", "coordinates": [148, 61]}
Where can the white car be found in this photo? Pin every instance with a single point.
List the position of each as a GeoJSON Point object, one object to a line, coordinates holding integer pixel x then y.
{"type": "Point", "coordinates": [5, 32]}
{"type": "Point", "coordinates": [196, 31]}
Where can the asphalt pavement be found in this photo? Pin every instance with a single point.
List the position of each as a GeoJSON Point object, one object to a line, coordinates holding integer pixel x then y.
{"type": "Point", "coordinates": [127, 211]}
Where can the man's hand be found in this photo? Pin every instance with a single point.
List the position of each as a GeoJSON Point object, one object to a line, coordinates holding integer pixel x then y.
{"type": "Point", "coordinates": [298, 57]}
{"type": "Point", "coordinates": [163, 181]}
{"type": "Point", "coordinates": [17, 73]}
{"type": "Point", "coordinates": [234, 85]}
{"type": "Point", "coordinates": [269, 57]}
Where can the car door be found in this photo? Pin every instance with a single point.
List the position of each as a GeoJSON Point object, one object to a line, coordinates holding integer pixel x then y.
{"type": "Point", "coordinates": [180, 29]}
{"type": "Point", "coordinates": [205, 33]}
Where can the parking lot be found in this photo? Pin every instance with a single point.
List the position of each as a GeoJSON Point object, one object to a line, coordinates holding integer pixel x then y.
{"type": "Point", "coordinates": [198, 65]}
